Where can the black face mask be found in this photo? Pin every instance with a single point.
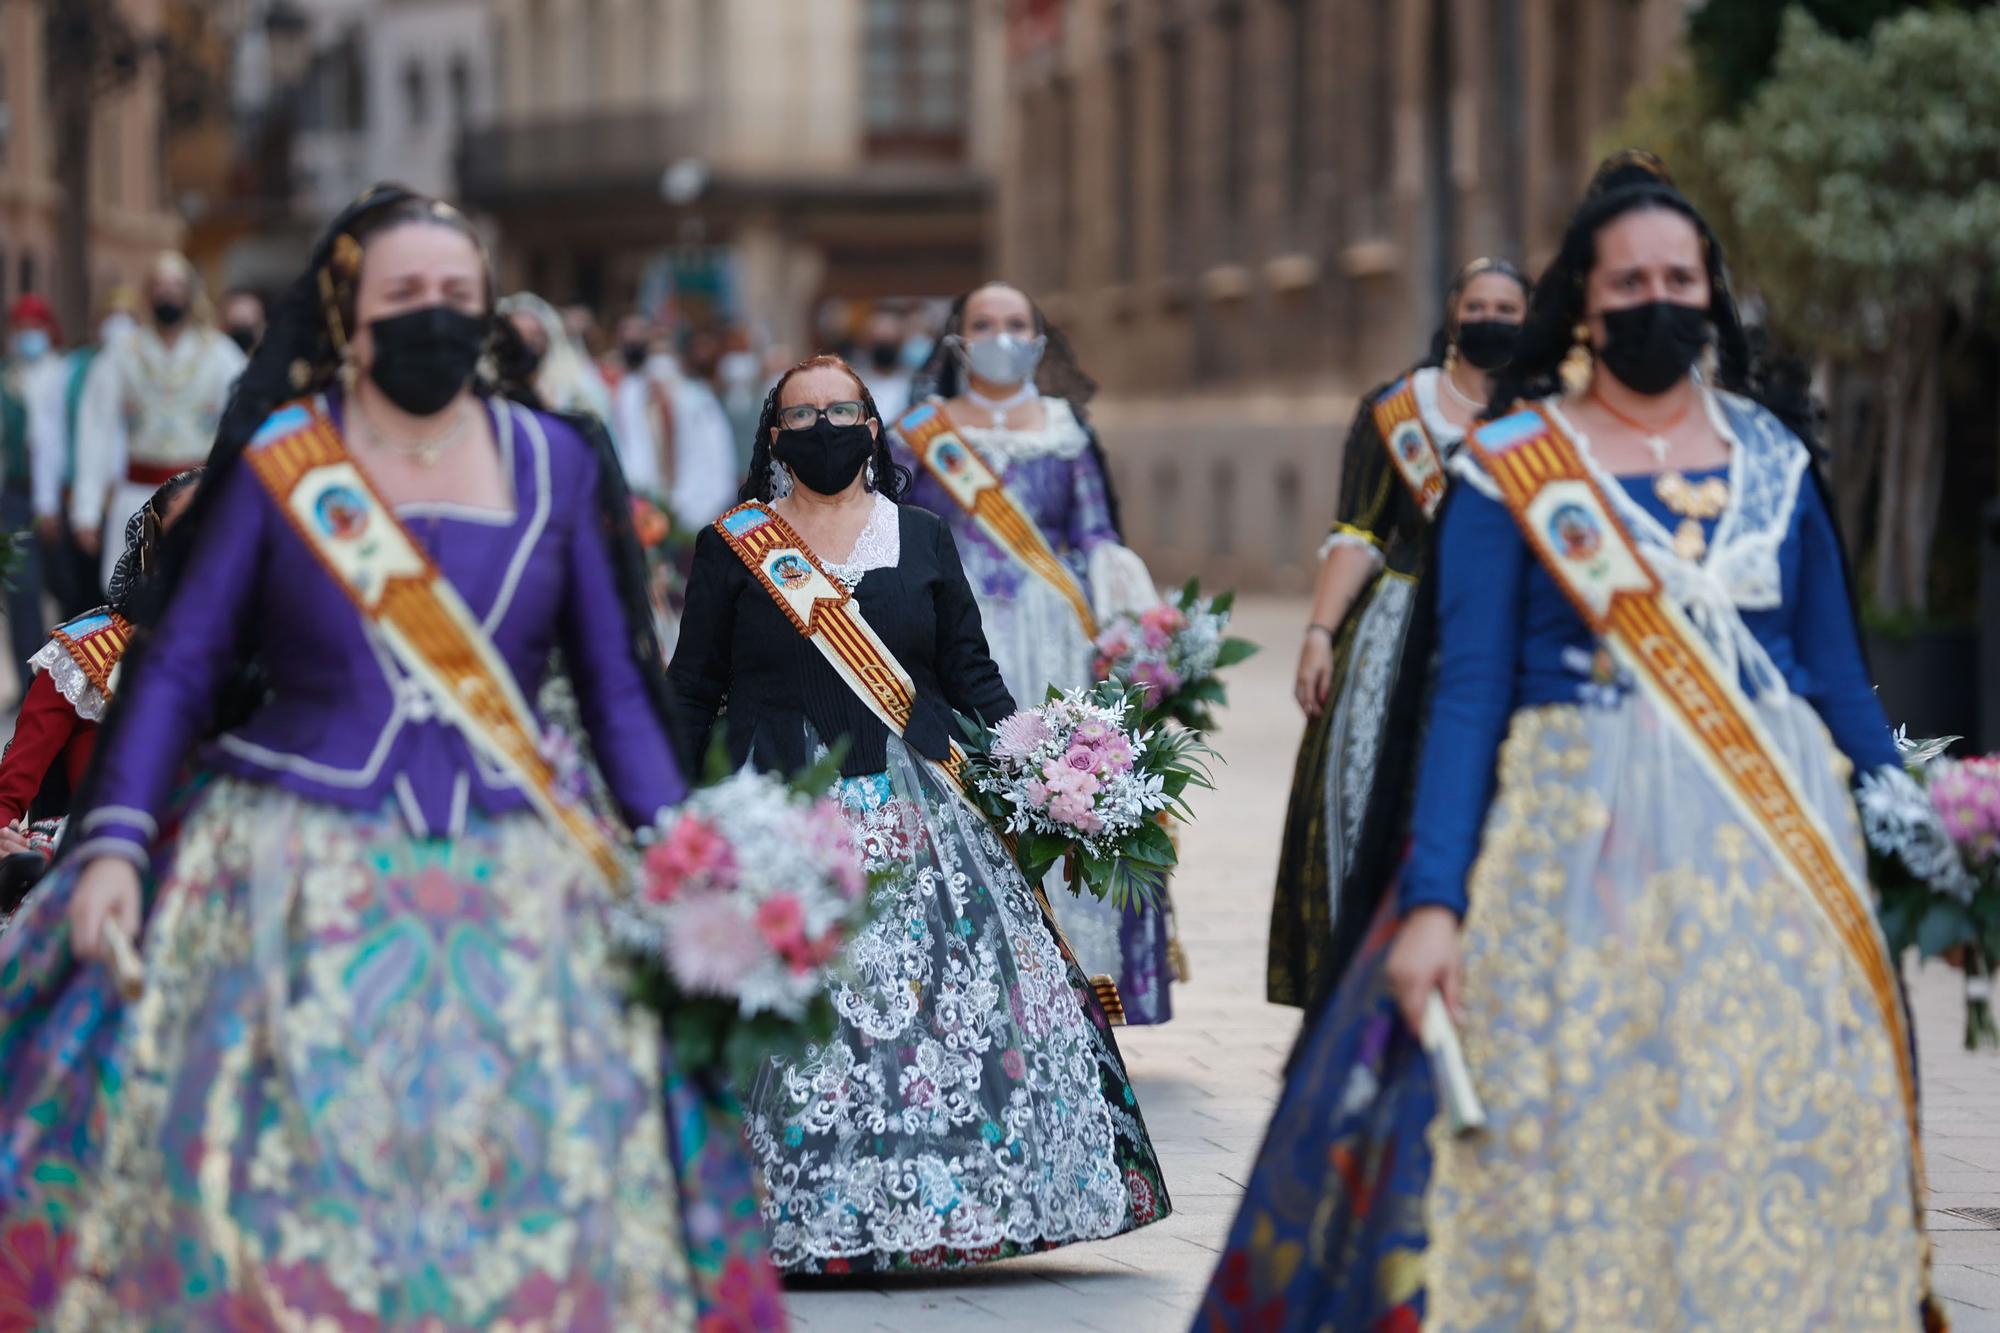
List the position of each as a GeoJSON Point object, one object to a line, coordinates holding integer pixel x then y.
{"type": "Point", "coordinates": [1488, 344]}
{"type": "Point", "coordinates": [424, 357]}
{"type": "Point", "coordinates": [635, 355]}
{"type": "Point", "coordinates": [1649, 348]}
{"type": "Point", "coordinates": [825, 458]}
{"type": "Point", "coordinates": [169, 314]}
{"type": "Point", "coordinates": [885, 356]}
{"type": "Point", "coordinates": [244, 338]}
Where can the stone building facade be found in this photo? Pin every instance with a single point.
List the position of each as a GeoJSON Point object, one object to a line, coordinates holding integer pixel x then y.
{"type": "Point", "coordinates": [131, 218]}
{"type": "Point", "coordinates": [1245, 213]}
{"type": "Point", "coordinates": [783, 154]}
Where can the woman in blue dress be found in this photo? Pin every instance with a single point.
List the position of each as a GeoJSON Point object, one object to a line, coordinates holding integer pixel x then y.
{"type": "Point", "coordinates": [1694, 1070]}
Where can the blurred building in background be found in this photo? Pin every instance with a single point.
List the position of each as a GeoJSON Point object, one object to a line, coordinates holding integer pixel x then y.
{"type": "Point", "coordinates": [131, 217]}
{"type": "Point", "coordinates": [741, 159]}
{"type": "Point", "coordinates": [1246, 212]}
{"type": "Point", "coordinates": [310, 103]}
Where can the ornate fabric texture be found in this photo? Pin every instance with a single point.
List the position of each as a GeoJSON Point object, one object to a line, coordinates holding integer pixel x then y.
{"type": "Point", "coordinates": [1693, 1102]}
{"type": "Point", "coordinates": [381, 1081]}
{"type": "Point", "coordinates": [70, 680]}
{"type": "Point", "coordinates": [972, 1104]}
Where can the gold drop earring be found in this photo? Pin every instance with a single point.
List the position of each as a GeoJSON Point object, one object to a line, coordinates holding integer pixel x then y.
{"type": "Point", "coordinates": [1578, 362]}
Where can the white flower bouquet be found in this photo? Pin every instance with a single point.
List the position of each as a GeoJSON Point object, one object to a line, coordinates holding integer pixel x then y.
{"type": "Point", "coordinates": [748, 893]}
{"type": "Point", "coordinates": [1083, 779]}
{"type": "Point", "coordinates": [1173, 651]}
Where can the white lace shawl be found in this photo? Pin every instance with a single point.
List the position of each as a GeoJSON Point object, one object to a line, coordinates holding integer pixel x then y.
{"type": "Point", "coordinates": [1061, 436]}
{"type": "Point", "coordinates": [86, 698]}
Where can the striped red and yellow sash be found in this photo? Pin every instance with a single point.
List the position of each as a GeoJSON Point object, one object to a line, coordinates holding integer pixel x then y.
{"type": "Point", "coordinates": [977, 489]}
{"type": "Point", "coordinates": [1411, 450]}
{"type": "Point", "coordinates": [303, 463]}
{"type": "Point", "coordinates": [96, 643]}
{"type": "Point", "coordinates": [826, 614]}
{"type": "Point", "coordinates": [1577, 535]}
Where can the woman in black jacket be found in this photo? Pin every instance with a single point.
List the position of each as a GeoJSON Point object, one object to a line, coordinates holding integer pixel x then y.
{"type": "Point", "coordinates": [972, 1104]}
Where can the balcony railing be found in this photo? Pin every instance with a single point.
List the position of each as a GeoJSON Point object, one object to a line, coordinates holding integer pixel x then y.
{"type": "Point", "coordinates": [575, 154]}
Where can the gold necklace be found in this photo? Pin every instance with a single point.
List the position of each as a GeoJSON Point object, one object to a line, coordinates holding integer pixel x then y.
{"type": "Point", "coordinates": [424, 453]}
{"type": "Point", "coordinates": [1694, 503]}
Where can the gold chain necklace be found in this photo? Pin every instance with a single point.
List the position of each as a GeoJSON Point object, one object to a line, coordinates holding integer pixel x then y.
{"type": "Point", "coordinates": [424, 453]}
{"type": "Point", "coordinates": [1695, 503]}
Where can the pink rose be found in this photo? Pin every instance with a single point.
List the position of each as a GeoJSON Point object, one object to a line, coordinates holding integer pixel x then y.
{"type": "Point", "coordinates": [1081, 758]}
{"type": "Point", "coordinates": [692, 852]}
{"type": "Point", "coordinates": [782, 922]}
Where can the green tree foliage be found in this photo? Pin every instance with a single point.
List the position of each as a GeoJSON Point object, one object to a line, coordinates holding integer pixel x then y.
{"type": "Point", "coordinates": [1865, 179]}
{"type": "Point", "coordinates": [1735, 42]}
{"type": "Point", "coordinates": [1857, 194]}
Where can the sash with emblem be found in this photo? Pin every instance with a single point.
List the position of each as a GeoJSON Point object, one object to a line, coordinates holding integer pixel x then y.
{"type": "Point", "coordinates": [96, 643]}
{"type": "Point", "coordinates": [1412, 452]}
{"type": "Point", "coordinates": [977, 489]}
{"type": "Point", "coordinates": [303, 463]}
{"type": "Point", "coordinates": [827, 615]}
{"type": "Point", "coordinates": [1573, 530]}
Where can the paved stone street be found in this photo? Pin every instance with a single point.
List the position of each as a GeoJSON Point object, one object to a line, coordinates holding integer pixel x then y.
{"type": "Point", "coordinates": [1207, 1080]}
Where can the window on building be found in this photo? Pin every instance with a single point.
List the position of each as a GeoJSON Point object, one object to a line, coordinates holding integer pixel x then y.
{"type": "Point", "coordinates": [460, 78]}
{"type": "Point", "coordinates": [1173, 94]}
{"type": "Point", "coordinates": [6, 114]}
{"type": "Point", "coordinates": [351, 79]}
{"type": "Point", "coordinates": [30, 279]}
{"type": "Point", "coordinates": [1565, 113]}
{"type": "Point", "coordinates": [1510, 92]}
{"type": "Point", "coordinates": [916, 63]}
{"type": "Point", "coordinates": [416, 95]}
{"type": "Point", "coordinates": [1061, 154]}
{"type": "Point", "coordinates": [1299, 117]}
{"type": "Point", "coordinates": [1125, 167]}
{"type": "Point", "coordinates": [1237, 145]}
{"type": "Point", "coordinates": [1382, 115]}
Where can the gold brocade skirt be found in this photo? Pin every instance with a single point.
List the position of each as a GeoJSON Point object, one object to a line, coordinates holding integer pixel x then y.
{"type": "Point", "coordinates": [1695, 1116]}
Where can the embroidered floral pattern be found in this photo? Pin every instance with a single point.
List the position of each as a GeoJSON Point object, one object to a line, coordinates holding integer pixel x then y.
{"type": "Point", "coordinates": [1693, 1103]}
{"type": "Point", "coordinates": [971, 1105]}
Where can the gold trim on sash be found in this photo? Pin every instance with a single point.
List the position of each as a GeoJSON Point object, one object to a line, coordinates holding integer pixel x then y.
{"type": "Point", "coordinates": [1411, 450]}
{"type": "Point", "coordinates": [329, 502]}
{"type": "Point", "coordinates": [825, 613]}
{"type": "Point", "coordinates": [1578, 537]}
{"type": "Point", "coordinates": [977, 489]}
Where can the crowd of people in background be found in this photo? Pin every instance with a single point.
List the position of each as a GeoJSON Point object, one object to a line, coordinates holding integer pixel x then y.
{"type": "Point", "coordinates": [680, 403]}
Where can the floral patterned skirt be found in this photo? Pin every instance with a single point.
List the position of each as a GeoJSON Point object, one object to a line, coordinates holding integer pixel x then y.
{"type": "Point", "coordinates": [1330, 1234]}
{"type": "Point", "coordinates": [1694, 1111]}
{"type": "Point", "coordinates": [374, 1082]}
{"type": "Point", "coordinates": [972, 1104]}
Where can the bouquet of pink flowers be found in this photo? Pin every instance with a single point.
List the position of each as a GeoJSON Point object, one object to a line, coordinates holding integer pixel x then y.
{"type": "Point", "coordinates": [1083, 779]}
{"type": "Point", "coordinates": [747, 894]}
{"type": "Point", "coordinates": [1172, 651]}
{"type": "Point", "coordinates": [1940, 889]}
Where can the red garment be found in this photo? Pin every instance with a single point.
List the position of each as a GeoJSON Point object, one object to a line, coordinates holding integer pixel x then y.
{"type": "Point", "coordinates": [47, 729]}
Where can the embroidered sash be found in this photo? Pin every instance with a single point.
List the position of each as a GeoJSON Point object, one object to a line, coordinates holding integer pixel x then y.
{"type": "Point", "coordinates": [1412, 452]}
{"type": "Point", "coordinates": [1579, 538]}
{"type": "Point", "coordinates": [825, 613]}
{"type": "Point", "coordinates": [978, 490]}
{"type": "Point", "coordinates": [96, 643]}
{"type": "Point", "coordinates": [302, 461]}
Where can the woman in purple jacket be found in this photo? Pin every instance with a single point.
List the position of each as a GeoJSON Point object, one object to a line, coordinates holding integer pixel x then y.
{"type": "Point", "coordinates": [379, 1075]}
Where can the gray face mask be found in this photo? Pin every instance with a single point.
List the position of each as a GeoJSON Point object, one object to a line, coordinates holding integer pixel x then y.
{"type": "Point", "coordinates": [1001, 359]}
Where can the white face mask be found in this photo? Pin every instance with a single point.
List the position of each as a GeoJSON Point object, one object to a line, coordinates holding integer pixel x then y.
{"type": "Point", "coordinates": [1001, 359]}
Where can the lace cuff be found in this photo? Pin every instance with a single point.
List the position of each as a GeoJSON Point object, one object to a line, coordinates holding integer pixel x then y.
{"type": "Point", "coordinates": [1119, 582]}
{"type": "Point", "coordinates": [1899, 821]}
{"type": "Point", "coordinates": [69, 680]}
{"type": "Point", "coordinates": [1346, 535]}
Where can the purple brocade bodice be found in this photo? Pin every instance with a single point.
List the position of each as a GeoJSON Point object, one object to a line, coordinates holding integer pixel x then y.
{"type": "Point", "coordinates": [340, 722]}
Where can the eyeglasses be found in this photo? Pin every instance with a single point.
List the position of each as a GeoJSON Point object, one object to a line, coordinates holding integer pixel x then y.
{"type": "Point", "coordinates": [804, 416]}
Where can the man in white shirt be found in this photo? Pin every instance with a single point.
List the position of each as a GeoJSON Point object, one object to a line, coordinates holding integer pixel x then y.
{"type": "Point", "coordinates": [150, 408]}
{"type": "Point", "coordinates": [642, 412]}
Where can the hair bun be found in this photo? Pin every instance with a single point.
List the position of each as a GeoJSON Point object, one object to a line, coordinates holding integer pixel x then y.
{"type": "Point", "coordinates": [1625, 168]}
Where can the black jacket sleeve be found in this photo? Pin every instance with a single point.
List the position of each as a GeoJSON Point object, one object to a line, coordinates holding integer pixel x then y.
{"type": "Point", "coordinates": [966, 671]}
{"type": "Point", "coordinates": [698, 677]}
